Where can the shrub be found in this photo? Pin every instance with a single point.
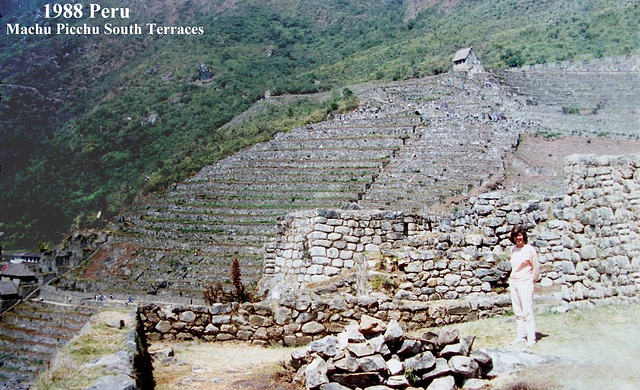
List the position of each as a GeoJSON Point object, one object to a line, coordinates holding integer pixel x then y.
{"type": "Point", "coordinates": [571, 110]}
{"type": "Point", "coordinates": [382, 283]}
{"type": "Point", "coordinates": [213, 293]}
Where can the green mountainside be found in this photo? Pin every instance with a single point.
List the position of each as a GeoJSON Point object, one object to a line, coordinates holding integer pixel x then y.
{"type": "Point", "coordinates": [89, 122]}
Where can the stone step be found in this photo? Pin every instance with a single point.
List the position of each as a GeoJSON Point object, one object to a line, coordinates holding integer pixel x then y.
{"type": "Point", "coordinates": [244, 175]}
{"type": "Point", "coordinates": [255, 198]}
{"type": "Point", "coordinates": [28, 343]}
{"type": "Point", "coordinates": [10, 333]}
{"type": "Point", "coordinates": [30, 363]}
{"type": "Point", "coordinates": [273, 187]}
{"type": "Point", "coordinates": [57, 327]}
{"type": "Point", "coordinates": [196, 211]}
{"type": "Point", "coordinates": [44, 311]}
{"type": "Point", "coordinates": [31, 333]}
{"type": "Point", "coordinates": [12, 379]}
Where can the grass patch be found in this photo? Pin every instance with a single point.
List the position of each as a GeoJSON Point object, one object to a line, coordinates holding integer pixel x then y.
{"type": "Point", "coordinates": [596, 343]}
{"type": "Point", "coordinates": [102, 337]}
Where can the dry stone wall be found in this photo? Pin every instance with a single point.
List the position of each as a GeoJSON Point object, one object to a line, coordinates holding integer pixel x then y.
{"type": "Point", "coordinates": [314, 246]}
{"type": "Point", "coordinates": [307, 317]}
{"type": "Point", "coordinates": [600, 227]}
{"type": "Point", "coordinates": [587, 240]}
{"type": "Point", "coordinates": [444, 269]}
{"type": "Point", "coordinates": [590, 98]}
{"type": "Point", "coordinates": [429, 258]}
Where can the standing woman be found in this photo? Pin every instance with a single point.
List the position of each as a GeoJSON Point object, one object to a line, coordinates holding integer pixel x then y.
{"type": "Point", "coordinates": [524, 272]}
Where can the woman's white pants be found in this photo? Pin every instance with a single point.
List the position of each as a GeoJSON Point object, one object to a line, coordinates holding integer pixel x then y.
{"type": "Point", "coordinates": [522, 302]}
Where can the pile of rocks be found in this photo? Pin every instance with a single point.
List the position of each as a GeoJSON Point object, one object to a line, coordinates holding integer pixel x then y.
{"type": "Point", "coordinates": [380, 356]}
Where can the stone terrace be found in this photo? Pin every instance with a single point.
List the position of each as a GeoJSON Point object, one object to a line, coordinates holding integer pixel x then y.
{"type": "Point", "coordinates": [30, 335]}
{"type": "Point", "coordinates": [410, 145]}
{"type": "Point", "coordinates": [437, 132]}
{"type": "Point", "coordinates": [594, 98]}
{"type": "Point", "coordinates": [230, 209]}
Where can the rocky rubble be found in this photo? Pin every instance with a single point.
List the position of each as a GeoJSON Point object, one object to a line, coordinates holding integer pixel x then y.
{"type": "Point", "coordinates": [376, 355]}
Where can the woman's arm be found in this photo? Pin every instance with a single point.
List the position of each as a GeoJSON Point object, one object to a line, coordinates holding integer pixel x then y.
{"type": "Point", "coordinates": [535, 264]}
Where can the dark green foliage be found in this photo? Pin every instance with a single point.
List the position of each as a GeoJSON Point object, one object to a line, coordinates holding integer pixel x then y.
{"type": "Point", "coordinates": [95, 121]}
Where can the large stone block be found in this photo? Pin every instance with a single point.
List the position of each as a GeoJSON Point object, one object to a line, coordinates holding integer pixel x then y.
{"type": "Point", "coordinates": [589, 252]}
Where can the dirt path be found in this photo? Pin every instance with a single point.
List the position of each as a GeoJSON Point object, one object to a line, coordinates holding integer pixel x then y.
{"type": "Point", "coordinates": [599, 348]}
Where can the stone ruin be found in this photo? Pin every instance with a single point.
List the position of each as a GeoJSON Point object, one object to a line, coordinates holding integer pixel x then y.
{"type": "Point", "coordinates": [587, 240]}
{"type": "Point", "coordinates": [373, 354]}
{"type": "Point", "coordinates": [448, 135]}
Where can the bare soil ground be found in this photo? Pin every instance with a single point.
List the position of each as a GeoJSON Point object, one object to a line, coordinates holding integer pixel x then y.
{"type": "Point", "coordinates": [538, 164]}
{"type": "Point", "coordinates": [220, 366]}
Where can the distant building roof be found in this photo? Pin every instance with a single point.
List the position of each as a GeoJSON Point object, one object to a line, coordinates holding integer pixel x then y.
{"type": "Point", "coordinates": [19, 270]}
{"type": "Point", "coordinates": [8, 288]}
{"type": "Point", "coordinates": [462, 54]}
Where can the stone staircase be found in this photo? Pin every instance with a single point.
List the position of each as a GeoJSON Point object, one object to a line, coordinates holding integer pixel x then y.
{"type": "Point", "coordinates": [30, 335]}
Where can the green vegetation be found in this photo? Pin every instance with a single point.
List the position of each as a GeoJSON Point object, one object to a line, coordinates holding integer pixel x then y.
{"type": "Point", "coordinates": [113, 117]}
{"type": "Point", "coordinates": [382, 283]}
{"type": "Point", "coordinates": [571, 110]}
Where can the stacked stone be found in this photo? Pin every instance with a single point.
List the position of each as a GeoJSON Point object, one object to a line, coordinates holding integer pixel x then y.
{"type": "Point", "coordinates": [601, 227]}
{"type": "Point", "coordinates": [439, 257]}
{"type": "Point", "coordinates": [439, 163]}
{"type": "Point", "coordinates": [376, 355]}
{"type": "Point", "coordinates": [467, 255]}
{"type": "Point", "coordinates": [602, 90]}
{"type": "Point", "coordinates": [318, 245]}
{"type": "Point", "coordinates": [299, 320]}
{"type": "Point", "coordinates": [31, 333]}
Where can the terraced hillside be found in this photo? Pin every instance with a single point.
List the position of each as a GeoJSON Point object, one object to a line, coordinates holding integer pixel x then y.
{"type": "Point", "coordinates": [595, 98]}
{"type": "Point", "coordinates": [30, 335]}
{"type": "Point", "coordinates": [409, 146]}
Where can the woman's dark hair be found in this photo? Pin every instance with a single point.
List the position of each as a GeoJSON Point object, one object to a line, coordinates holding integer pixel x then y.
{"type": "Point", "coordinates": [518, 230]}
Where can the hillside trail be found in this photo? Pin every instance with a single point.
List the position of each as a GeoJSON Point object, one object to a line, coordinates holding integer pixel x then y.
{"type": "Point", "coordinates": [597, 349]}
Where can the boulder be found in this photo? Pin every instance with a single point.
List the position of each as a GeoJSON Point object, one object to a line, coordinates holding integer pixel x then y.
{"type": "Point", "coordinates": [371, 326]}
{"type": "Point", "coordinates": [316, 374]}
{"type": "Point", "coordinates": [420, 363]}
{"type": "Point", "coordinates": [464, 366]}
{"type": "Point", "coordinates": [374, 363]}
{"type": "Point", "coordinates": [358, 379]}
{"type": "Point", "coordinates": [444, 383]}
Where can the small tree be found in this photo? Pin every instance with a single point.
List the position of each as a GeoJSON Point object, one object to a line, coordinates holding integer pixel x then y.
{"type": "Point", "coordinates": [239, 291]}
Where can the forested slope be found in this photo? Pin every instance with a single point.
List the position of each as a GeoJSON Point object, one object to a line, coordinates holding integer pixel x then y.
{"type": "Point", "coordinates": [89, 122]}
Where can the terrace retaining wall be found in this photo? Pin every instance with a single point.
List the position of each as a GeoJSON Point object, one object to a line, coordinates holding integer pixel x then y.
{"type": "Point", "coordinates": [442, 270]}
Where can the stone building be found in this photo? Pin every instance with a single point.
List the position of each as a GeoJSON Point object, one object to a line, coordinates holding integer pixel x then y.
{"type": "Point", "coordinates": [22, 276]}
{"type": "Point", "coordinates": [466, 60]}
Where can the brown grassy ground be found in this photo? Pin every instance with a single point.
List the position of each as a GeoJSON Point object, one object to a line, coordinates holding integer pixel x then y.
{"type": "Point", "coordinates": [599, 347]}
